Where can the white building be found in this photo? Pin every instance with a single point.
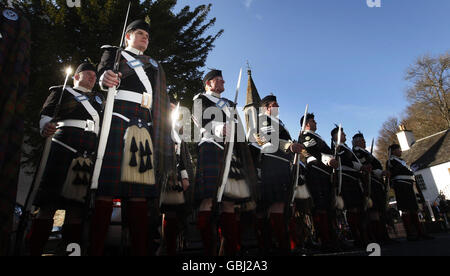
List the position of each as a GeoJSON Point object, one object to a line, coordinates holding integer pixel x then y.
{"type": "Point", "coordinates": [429, 158]}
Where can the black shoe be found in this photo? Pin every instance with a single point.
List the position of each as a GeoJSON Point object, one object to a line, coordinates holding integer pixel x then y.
{"type": "Point", "coordinates": [389, 242]}
{"type": "Point", "coordinates": [413, 238]}
{"type": "Point", "coordinates": [426, 237]}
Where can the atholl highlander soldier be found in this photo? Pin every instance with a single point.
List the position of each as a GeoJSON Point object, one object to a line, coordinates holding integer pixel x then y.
{"type": "Point", "coordinates": [403, 182]}
{"type": "Point", "coordinates": [352, 189]}
{"type": "Point", "coordinates": [139, 155]}
{"type": "Point", "coordinates": [214, 130]}
{"type": "Point", "coordinates": [15, 60]}
{"type": "Point", "coordinates": [320, 163]}
{"type": "Point", "coordinates": [378, 191]}
{"type": "Point", "coordinates": [67, 174]}
{"type": "Point", "coordinates": [277, 155]}
{"type": "Point", "coordinates": [176, 200]}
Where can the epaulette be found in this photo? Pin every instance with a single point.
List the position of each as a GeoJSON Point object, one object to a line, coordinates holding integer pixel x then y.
{"type": "Point", "coordinates": [55, 87]}
{"type": "Point", "coordinates": [108, 47]}
{"type": "Point", "coordinates": [197, 96]}
{"type": "Point", "coordinates": [100, 94]}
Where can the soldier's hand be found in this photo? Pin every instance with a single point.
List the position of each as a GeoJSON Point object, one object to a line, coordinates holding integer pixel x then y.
{"type": "Point", "coordinates": [334, 164]}
{"type": "Point", "coordinates": [297, 148]}
{"type": "Point", "coordinates": [111, 79]}
{"type": "Point", "coordinates": [226, 130]}
{"type": "Point", "coordinates": [49, 130]}
{"type": "Point", "coordinates": [185, 183]}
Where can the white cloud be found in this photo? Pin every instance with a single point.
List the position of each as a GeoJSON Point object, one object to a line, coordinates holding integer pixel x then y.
{"type": "Point", "coordinates": [248, 3]}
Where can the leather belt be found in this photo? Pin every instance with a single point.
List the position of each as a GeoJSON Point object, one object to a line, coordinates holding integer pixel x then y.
{"type": "Point", "coordinates": [87, 125]}
{"type": "Point", "coordinates": [404, 177]}
{"type": "Point", "coordinates": [143, 99]}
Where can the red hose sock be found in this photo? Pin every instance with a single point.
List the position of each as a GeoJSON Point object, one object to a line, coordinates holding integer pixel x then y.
{"type": "Point", "coordinates": [99, 226]}
{"type": "Point", "coordinates": [279, 230]}
{"type": "Point", "coordinates": [206, 231]}
{"type": "Point", "coordinates": [294, 234]}
{"type": "Point", "coordinates": [38, 236]}
{"type": "Point", "coordinates": [138, 222]}
{"type": "Point", "coordinates": [262, 234]}
{"type": "Point", "coordinates": [229, 228]}
{"type": "Point", "coordinates": [407, 224]}
{"type": "Point", "coordinates": [416, 222]}
{"type": "Point", "coordinates": [171, 233]}
{"type": "Point", "coordinates": [354, 222]}
{"type": "Point", "coordinates": [321, 221]}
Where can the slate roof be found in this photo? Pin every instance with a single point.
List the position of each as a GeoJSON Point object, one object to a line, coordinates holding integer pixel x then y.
{"type": "Point", "coordinates": [429, 152]}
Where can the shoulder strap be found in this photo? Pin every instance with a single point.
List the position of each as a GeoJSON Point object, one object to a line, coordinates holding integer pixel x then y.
{"type": "Point", "coordinates": [137, 66]}
{"type": "Point", "coordinates": [87, 105]}
{"type": "Point", "coordinates": [220, 103]}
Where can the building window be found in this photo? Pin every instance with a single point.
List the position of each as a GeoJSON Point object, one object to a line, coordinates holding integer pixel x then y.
{"type": "Point", "coordinates": [421, 182]}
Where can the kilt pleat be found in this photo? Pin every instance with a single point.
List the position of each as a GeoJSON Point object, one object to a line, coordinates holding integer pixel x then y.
{"type": "Point", "coordinates": [109, 180]}
{"type": "Point", "coordinates": [59, 162]}
{"type": "Point", "coordinates": [378, 196]}
{"type": "Point", "coordinates": [320, 187]}
{"type": "Point", "coordinates": [210, 160]}
{"type": "Point", "coordinates": [276, 178]}
{"type": "Point", "coordinates": [405, 196]}
{"type": "Point", "coordinates": [352, 193]}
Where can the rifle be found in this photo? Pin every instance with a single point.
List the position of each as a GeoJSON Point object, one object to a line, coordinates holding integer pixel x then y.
{"type": "Point", "coordinates": [339, 200]}
{"type": "Point", "coordinates": [295, 173]}
{"type": "Point", "coordinates": [37, 176]}
{"type": "Point", "coordinates": [388, 178]}
{"type": "Point", "coordinates": [369, 202]}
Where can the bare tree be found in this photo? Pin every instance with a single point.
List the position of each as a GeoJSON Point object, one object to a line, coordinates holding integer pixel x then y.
{"type": "Point", "coordinates": [387, 136]}
{"type": "Point", "coordinates": [424, 120]}
{"type": "Point", "coordinates": [431, 82]}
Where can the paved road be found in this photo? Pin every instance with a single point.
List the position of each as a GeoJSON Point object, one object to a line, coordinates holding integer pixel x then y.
{"type": "Point", "coordinates": [438, 247]}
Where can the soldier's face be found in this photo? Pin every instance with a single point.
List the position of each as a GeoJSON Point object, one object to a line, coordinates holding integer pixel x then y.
{"type": "Point", "coordinates": [312, 124]}
{"type": "Point", "coordinates": [272, 109]}
{"type": "Point", "coordinates": [86, 79]}
{"type": "Point", "coordinates": [343, 137]}
{"type": "Point", "coordinates": [360, 142]}
{"type": "Point", "coordinates": [363, 143]}
{"type": "Point", "coordinates": [138, 39]}
{"type": "Point", "coordinates": [217, 84]}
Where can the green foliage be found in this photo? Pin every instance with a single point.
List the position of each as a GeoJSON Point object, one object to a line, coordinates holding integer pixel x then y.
{"type": "Point", "coordinates": [63, 36]}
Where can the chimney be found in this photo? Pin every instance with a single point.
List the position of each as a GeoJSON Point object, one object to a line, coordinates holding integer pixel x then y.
{"type": "Point", "coordinates": [405, 138]}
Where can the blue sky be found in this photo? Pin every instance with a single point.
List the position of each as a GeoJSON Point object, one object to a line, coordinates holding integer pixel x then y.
{"type": "Point", "coordinates": [344, 59]}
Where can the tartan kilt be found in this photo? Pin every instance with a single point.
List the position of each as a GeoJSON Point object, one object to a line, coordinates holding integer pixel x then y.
{"type": "Point", "coordinates": [58, 164]}
{"type": "Point", "coordinates": [209, 164]}
{"type": "Point", "coordinates": [276, 178]}
{"type": "Point", "coordinates": [321, 189]}
{"type": "Point", "coordinates": [405, 196]}
{"type": "Point", "coordinates": [378, 196]}
{"type": "Point", "coordinates": [351, 191]}
{"type": "Point", "coordinates": [109, 183]}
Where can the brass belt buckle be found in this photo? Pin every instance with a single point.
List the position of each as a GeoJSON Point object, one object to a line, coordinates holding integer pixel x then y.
{"type": "Point", "coordinates": [146, 100]}
{"type": "Point", "coordinates": [90, 126]}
